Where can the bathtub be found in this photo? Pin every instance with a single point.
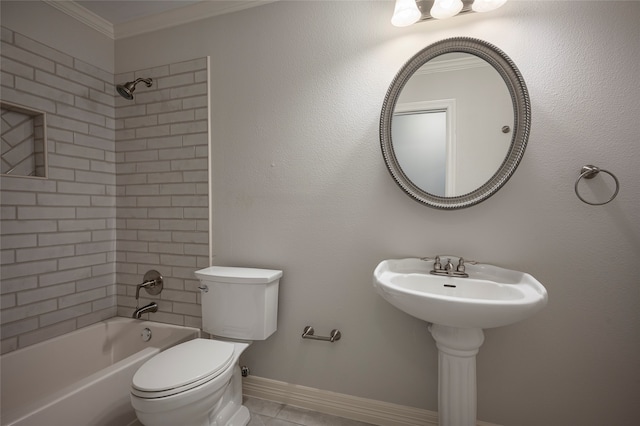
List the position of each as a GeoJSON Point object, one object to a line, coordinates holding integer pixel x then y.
{"type": "Point", "coordinates": [82, 378]}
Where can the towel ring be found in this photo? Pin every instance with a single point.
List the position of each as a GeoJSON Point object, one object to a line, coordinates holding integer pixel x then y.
{"type": "Point", "coordinates": [589, 172]}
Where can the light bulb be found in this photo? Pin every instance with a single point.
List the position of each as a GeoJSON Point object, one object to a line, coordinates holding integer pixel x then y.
{"type": "Point", "coordinates": [405, 13]}
{"type": "Point", "coordinates": [443, 9]}
{"type": "Point", "coordinates": [486, 5]}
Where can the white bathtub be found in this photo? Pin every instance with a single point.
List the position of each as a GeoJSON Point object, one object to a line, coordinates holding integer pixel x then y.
{"type": "Point", "coordinates": [82, 378]}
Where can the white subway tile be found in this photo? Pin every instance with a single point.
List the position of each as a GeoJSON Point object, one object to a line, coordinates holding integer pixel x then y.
{"type": "Point", "coordinates": [64, 314]}
{"type": "Point", "coordinates": [153, 166]}
{"type": "Point", "coordinates": [81, 297]}
{"type": "Point", "coordinates": [177, 153]}
{"type": "Point", "coordinates": [177, 225]}
{"type": "Point", "coordinates": [187, 308]}
{"type": "Point", "coordinates": [192, 164]}
{"type": "Point", "coordinates": [22, 184]}
{"type": "Point", "coordinates": [97, 247]}
{"type": "Point", "coordinates": [165, 177]}
{"type": "Point", "coordinates": [10, 227]}
{"type": "Point", "coordinates": [35, 102]}
{"type": "Point", "coordinates": [166, 106]}
{"type": "Point", "coordinates": [62, 277]}
{"type": "Point", "coordinates": [31, 296]}
{"type": "Point", "coordinates": [186, 66]}
{"type": "Point", "coordinates": [166, 213]}
{"type": "Point", "coordinates": [143, 258]}
{"type": "Point", "coordinates": [147, 155]}
{"type": "Point", "coordinates": [60, 238]}
{"type": "Point", "coordinates": [81, 188]}
{"type": "Point", "coordinates": [18, 327]}
{"type": "Point", "coordinates": [188, 91]}
{"type": "Point", "coordinates": [190, 237]}
{"type": "Point", "coordinates": [176, 117]}
{"type": "Point", "coordinates": [42, 50]}
{"type": "Point", "coordinates": [26, 57]}
{"type": "Point", "coordinates": [17, 284]}
{"type": "Point", "coordinates": [191, 127]}
{"type": "Point", "coordinates": [18, 241]}
{"type": "Point", "coordinates": [167, 248]}
{"type": "Point", "coordinates": [140, 224]}
{"type": "Point", "coordinates": [177, 188]}
{"type": "Point", "coordinates": [154, 131]}
{"type": "Point", "coordinates": [81, 225]}
{"type": "Point", "coordinates": [12, 67]}
{"type": "Point", "coordinates": [31, 254]}
{"type": "Point", "coordinates": [42, 90]}
{"type": "Point", "coordinates": [95, 212]}
{"type": "Point", "coordinates": [7, 257]}
{"type": "Point", "coordinates": [80, 77]}
{"type": "Point", "coordinates": [195, 102]}
{"type": "Point", "coordinates": [67, 123]}
{"type": "Point", "coordinates": [69, 86]}
{"type": "Point", "coordinates": [80, 261]}
{"type": "Point", "coordinates": [63, 200]}
{"type": "Point", "coordinates": [92, 70]}
{"type": "Point", "coordinates": [176, 81]}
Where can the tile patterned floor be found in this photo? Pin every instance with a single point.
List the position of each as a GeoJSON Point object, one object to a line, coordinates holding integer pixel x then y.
{"type": "Point", "coordinates": [268, 413]}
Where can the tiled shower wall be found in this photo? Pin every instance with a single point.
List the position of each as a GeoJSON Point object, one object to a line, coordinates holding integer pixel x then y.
{"type": "Point", "coordinates": [162, 189]}
{"type": "Point", "coordinates": [58, 234]}
{"type": "Point", "coordinates": [144, 184]}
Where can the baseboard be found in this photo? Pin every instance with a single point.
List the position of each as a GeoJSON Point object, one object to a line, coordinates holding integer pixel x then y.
{"type": "Point", "coordinates": [337, 404]}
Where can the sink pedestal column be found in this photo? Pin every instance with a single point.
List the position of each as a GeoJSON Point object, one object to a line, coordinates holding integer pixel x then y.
{"type": "Point", "coordinates": [457, 349]}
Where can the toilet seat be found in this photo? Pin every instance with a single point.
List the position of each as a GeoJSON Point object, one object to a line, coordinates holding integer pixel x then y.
{"type": "Point", "coordinates": [182, 367]}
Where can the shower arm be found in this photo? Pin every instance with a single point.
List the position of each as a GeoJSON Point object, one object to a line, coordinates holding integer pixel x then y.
{"type": "Point", "coordinates": [146, 81]}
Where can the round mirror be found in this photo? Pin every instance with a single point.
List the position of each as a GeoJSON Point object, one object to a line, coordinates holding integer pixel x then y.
{"type": "Point", "coordinates": [455, 123]}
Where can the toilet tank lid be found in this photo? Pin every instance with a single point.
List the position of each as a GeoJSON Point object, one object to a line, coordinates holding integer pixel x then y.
{"type": "Point", "coordinates": [229, 274]}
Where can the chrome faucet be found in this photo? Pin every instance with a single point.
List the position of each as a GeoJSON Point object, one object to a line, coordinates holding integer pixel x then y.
{"type": "Point", "coordinates": [151, 307]}
{"type": "Point", "coordinates": [152, 283]}
{"type": "Point", "coordinates": [448, 268]}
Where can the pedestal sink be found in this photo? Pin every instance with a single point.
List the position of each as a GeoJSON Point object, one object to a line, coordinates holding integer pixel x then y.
{"type": "Point", "coordinates": [457, 310]}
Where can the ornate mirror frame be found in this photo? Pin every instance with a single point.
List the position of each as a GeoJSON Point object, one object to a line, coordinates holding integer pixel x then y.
{"type": "Point", "coordinates": [521, 111]}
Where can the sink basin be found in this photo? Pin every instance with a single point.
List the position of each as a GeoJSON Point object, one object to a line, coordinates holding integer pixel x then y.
{"type": "Point", "coordinates": [489, 297]}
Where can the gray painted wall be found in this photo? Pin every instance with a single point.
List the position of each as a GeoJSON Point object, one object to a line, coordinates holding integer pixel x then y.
{"type": "Point", "coordinates": [299, 184]}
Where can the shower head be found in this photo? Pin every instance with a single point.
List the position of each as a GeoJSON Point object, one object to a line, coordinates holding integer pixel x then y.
{"type": "Point", "coordinates": [126, 90]}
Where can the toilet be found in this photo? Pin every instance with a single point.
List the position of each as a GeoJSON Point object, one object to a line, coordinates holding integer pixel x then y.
{"type": "Point", "coordinates": [198, 382]}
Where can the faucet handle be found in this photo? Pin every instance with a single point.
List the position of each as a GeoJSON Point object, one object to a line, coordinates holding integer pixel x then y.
{"type": "Point", "coordinates": [460, 267]}
{"type": "Point", "coordinates": [436, 262]}
{"type": "Point", "coordinates": [462, 261]}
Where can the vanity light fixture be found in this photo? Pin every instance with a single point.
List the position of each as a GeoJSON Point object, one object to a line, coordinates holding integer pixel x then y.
{"type": "Point", "coordinates": [408, 12]}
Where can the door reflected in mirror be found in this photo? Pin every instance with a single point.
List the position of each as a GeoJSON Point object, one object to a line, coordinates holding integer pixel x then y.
{"type": "Point", "coordinates": [447, 127]}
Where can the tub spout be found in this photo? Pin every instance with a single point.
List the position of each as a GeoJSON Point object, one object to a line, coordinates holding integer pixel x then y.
{"type": "Point", "coordinates": [151, 307]}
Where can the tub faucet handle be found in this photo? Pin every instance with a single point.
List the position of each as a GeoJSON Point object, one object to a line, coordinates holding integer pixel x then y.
{"type": "Point", "coordinates": [152, 282]}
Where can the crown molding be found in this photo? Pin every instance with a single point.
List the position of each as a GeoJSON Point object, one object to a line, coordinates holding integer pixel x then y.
{"type": "Point", "coordinates": [83, 15]}
{"type": "Point", "coordinates": [183, 15]}
{"type": "Point", "coordinates": [170, 18]}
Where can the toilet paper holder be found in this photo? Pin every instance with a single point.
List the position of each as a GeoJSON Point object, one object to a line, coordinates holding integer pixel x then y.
{"type": "Point", "coordinates": [308, 333]}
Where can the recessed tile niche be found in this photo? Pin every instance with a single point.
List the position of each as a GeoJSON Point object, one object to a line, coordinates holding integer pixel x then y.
{"type": "Point", "coordinates": [24, 141]}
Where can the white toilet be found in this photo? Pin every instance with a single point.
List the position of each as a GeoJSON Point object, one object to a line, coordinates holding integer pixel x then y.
{"type": "Point", "coordinates": [198, 383]}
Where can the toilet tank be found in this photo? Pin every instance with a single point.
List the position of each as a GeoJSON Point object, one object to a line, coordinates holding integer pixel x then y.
{"type": "Point", "coordinates": [240, 303]}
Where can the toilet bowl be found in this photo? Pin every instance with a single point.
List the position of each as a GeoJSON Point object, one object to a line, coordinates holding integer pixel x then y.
{"type": "Point", "coordinates": [185, 385]}
{"type": "Point", "coordinates": [199, 383]}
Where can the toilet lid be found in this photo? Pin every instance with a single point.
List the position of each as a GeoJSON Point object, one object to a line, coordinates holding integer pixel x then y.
{"type": "Point", "coordinates": [184, 364]}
